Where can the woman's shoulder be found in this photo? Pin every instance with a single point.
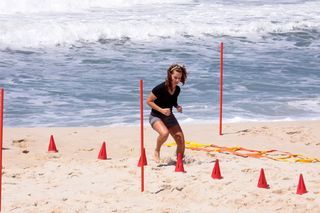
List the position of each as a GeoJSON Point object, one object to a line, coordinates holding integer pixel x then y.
{"type": "Point", "coordinates": [159, 86]}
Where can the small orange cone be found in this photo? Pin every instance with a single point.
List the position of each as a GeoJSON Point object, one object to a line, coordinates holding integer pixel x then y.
{"type": "Point", "coordinates": [179, 164]}
{"type": "Point", "coordinates": [52, 145]}
{"type": "Point", "coordinates": [143, 159]}
{"type": "Point", "coordinates": [301, 186]}
{"type": "Point", "coordinates": [216, 171]}
{"type": "Point", "coordinates": [262, 180]}
{"type": "Point", "coordinates": [103, 153]}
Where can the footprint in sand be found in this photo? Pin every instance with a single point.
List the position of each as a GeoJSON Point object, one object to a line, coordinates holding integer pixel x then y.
{"type": "Point", "coordinates": [278, 191]}
{"type": "Point", "coordinates": [163, 188]}
{"type": "Point", "coordinates": [74, 174]}
{"type": "Point", "coordinates": [188, 160]}
{"type": "Point", "coordinates": [248, 170]}
{"type": "Point", "coordinates": [243, 132]}
{"type": "Point", "coordinates": [54, 156]}
{"type": "Point", "coordinates": [293, 132]}
{"type": "Point", "coordinates": [167, 161]}
{"type": "Point", "coordinates": [177, 188]}
{"type": "Point", "coordinates": [18, 141]}
{"type": "Point", "coordinates": [86, 149]}
{"type": "Point", "coordinates": [21, 143]}
{"type": "Point", "coordinates": [16, 176]}
{"type": "Point", "coordinates": [167, 180]}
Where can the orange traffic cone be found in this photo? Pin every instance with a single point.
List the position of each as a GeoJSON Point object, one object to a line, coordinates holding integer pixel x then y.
{"type": "Point", "coordinates": [216, 171]}
{"type": "Point", "coordinates": [52, 145]}
{"type": "Point", "coordinates": [301, 186]}
{"type": "Point", "coordinates": [103, 153]}
{"type": "Point", "coordinates": [262, 183]}
{"type": "Point", "coordinates": [143, 159]}
{"type": "Point", "coordinates": [179, 164]}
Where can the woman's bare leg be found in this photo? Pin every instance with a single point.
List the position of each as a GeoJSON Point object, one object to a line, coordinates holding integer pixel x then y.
{"type": "Point", "coordinates": [177, 134]}
{"type": "Point", "coordinates": [163, 132]}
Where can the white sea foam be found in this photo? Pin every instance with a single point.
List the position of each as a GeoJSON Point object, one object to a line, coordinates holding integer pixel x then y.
{"type": "Point", "coordinates": [48, 23]}
{"type": "Point", "coordinates": [312, 105]}
{"type": "Point", "coordinates": [70, 6]}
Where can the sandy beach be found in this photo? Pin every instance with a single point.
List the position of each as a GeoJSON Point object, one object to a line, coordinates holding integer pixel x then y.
{"type": "Point", "coordinates": [75, 180]}
{"type": "Point", "coordinates": [83, 71]}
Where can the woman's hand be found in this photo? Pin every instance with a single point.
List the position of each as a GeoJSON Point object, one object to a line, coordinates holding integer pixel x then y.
{"type": "Point", "coordinates": [179, 109]}
{"type": "Point", "coordinates": [166, 111]}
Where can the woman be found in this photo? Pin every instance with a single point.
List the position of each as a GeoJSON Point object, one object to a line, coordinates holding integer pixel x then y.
{"type": "Point", "coordinates": [162, 99]}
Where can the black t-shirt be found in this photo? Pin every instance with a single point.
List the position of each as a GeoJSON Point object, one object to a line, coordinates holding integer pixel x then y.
{"type": "Point", "coordinates": [164, 98]}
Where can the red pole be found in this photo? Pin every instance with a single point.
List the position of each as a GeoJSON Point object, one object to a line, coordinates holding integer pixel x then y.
{"type": "Point", "coordinates": [1, 131]}
{"type": "Point", "coordinates": [141, 134]}
{"type": "Point", "coordinates": [221, 86]}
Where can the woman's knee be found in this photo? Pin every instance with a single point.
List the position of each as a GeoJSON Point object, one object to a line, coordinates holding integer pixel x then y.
{"type": "Point", "coordinates": [164, 133]}
{"type": "Point", "coordinates": [161, 129]}
{"type": "Point", "coordinates": [179, 138]}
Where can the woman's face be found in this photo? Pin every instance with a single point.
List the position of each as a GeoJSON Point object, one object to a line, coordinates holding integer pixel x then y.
{"type": "Point", "coordinates": [176, 78]}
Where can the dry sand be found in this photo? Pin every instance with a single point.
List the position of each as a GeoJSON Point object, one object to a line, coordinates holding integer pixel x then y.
{"type": "Point", "coordinates": [74, 180]}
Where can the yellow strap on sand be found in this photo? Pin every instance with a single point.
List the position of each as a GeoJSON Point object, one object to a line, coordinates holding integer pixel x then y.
{"type": "Point", "coordinates": [243, 152]}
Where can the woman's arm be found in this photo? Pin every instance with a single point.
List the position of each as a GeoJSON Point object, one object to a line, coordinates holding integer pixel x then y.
{"type": "Point", "coordinates": [150, 101]}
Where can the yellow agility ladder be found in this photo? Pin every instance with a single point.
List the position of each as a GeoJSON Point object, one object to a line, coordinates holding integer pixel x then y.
{"type": "Point", "coordinates": [243, 152]}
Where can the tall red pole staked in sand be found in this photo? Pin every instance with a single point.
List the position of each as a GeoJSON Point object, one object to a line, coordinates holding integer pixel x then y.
{"type": "Point", "coordinates": [141, 135]}
{"type": "Point", "coordinates": [1, 131]}
{"type": "Point", "coordinates": [221, 87]}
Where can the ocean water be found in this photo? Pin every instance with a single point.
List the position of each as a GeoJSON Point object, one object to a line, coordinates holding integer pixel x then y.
{"type": "Point", "coordinates": [78, 63]}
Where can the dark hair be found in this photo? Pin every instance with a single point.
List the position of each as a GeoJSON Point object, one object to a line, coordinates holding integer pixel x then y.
{"type": "Point", "coordinates": [178, 68]}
